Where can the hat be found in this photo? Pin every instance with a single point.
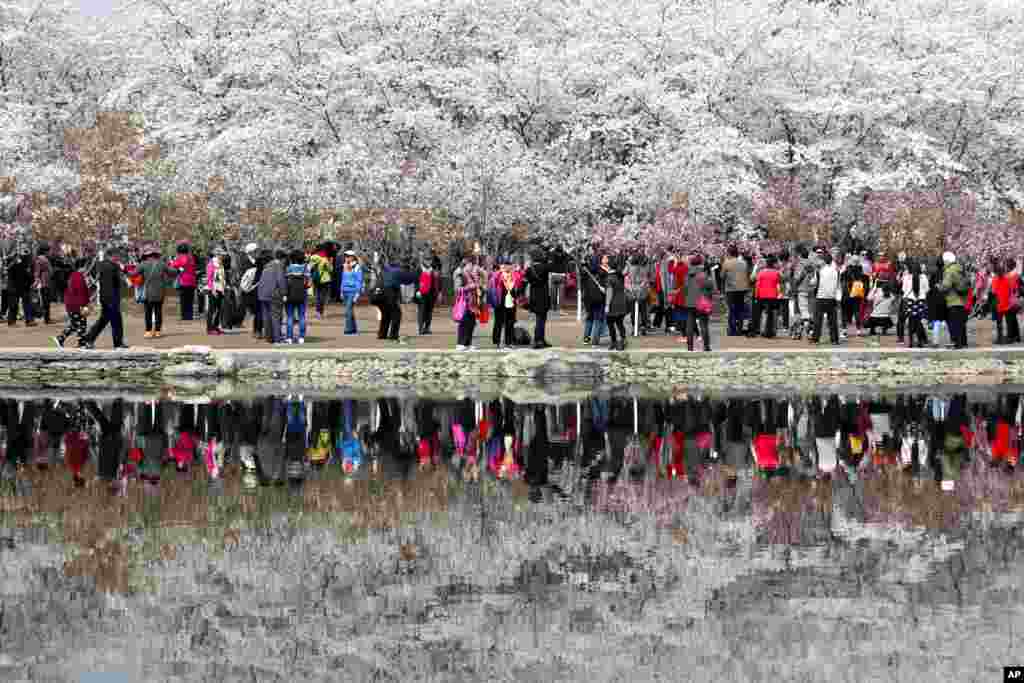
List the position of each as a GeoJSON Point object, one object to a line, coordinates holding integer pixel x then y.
{"type": "Point", "coordinates": [251, 247]}
{"type": "Point", "coordinates": [948, 258]}
{"type": "Point", "coordinates": [350, 253]}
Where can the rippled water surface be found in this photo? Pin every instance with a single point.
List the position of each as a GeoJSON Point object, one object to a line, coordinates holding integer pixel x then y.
{"type": "Point", "coordinates": [834, 537]}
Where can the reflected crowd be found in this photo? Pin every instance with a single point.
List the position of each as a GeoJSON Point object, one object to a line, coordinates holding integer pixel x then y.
{"type": "Point", "coordinates": [587, 452]}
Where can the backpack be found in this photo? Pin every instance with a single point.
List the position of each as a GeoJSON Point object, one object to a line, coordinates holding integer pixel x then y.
{"type": "Point", "coordinates": [315, 273]}
{"type": "Point", "coordinates": [249, 281]}
{"type": "Point", "coordinates": [857, 289]}
{"type": "Point", "coordinates": [295, 293]}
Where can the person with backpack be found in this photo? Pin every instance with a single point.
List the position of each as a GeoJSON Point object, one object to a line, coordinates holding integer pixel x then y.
{"type": "Point", "coordinates": [956, 286]}
{"type": "Point", "coordinates": [252, 269]}
{"type": "Point", "coordinates": [298, 281]}
{"type": "Point", "coordinates": [321, 272]}
{"type": "Point", "coordinates": [426, 295]}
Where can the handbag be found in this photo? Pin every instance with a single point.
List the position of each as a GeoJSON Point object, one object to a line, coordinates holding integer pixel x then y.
{"type": "Point", "coordinates": [704, 305]}
{"type": "Point", "coordinates": [459, 309]}
{"type": "Point", "coordinates": [377, 296]}
{"type": "Point", "coordinates": [1014, 306]}
{"type": "Point", "coordinates": [485, 315]}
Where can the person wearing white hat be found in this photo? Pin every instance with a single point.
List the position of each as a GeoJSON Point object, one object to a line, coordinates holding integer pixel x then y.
{"type": "Point", "coordinates": [252, 269]}
{"type": "Point", "coordinates": [956, 286]}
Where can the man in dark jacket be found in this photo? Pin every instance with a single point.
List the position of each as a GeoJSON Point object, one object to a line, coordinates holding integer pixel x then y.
{"type": "Point", "coordinates": [392, 278]}
{"type": "Point", "coordinates": [538, 277]}
{"type": "Point", "coordinates": [19, 284]}
{"type": "Point", "coordinates": [109, 275]}
{"type": "Point", "coordinates": [42, 272]}
{"type": "Point", "coordinates": [270, 292]}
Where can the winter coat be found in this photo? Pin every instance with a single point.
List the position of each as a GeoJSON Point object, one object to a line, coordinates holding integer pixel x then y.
{"type": "Point", "coordinates": [352, 281]}
{"type": "Point", "coordinates": [393, 277]}
{"type": "Point", "coordinates": [736, 275]}
{"type": "Point", "coordinates": [77, 294]}
{"type": "Point", "coordinates": [805, 277]}
{"type": "Point", "coordinates": [297, 281]}
{"type": "Point", "coordinates": [952, 278]}
{"type": "Point", "coordinates": [272, 285]}
{"type": "Point", "coordinates": [109, 277]}
{"type": "Point", "coordinates": [593, 286]}
{"type": "Point", "coordinates": [155, 276]}
{"type": "Point", "coordinates": [323, 266]}
{"type": "Point", "coordinates": [1004, 287]}
{"type": "Point", "coordinates": [697, 284]}
{"type": "Point", "coordinates": [769, 284]}
{"type": "Point", "coordinates": [537, 276]}
{"type": "Point", "coordinates": [41, 271]}
{"type": "Point", "coordinates": [616, 304]}
{"type": "Point", "coordinates": [19, 277]}
{"type": "Point", "coordinates": [186, 264]}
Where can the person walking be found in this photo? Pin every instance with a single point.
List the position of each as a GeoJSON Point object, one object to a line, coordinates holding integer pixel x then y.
{"type": "Point", "coordinates": [736, 281]}
{"type": "Point", "coordinates": [956, 286]}
{"type": "Point", "coordinates": [19, 283]}
{"type": "Point", "coordinates": [298, 281]}
{"type": "Point", "coordinates": [41, 275]}
{"type": "Point", "coordinates": [156, 274]}
{"type": "Point", "coordinates": [699, 288]}
{"type": "Point", "coordinates": [216, 285]}
{"type": "Point", "coordinates": [914, 286]}
{"type": "Point", "coordinates": [538, 277]}
{"type": "Point", "coordinates": [426, 295]}
{"type": "Point", "coordinates": [271, 294]}
{"type": "Point", "coordinates": [185, 264]}
{"type": "Point", "coordinates": [351, 289]}
{"type": "Point", "coordinates": [110, 280]}
{"type": "Point", "coordinates": [616, 306]}
{"type": "Point", "coordinates": [469, 301]}
{"type": "Point", "coordinates": [76, 304]}
{"type": "Point", "coordinates": [827, 298]}
{"type": "Point", "coordinates": [252, 269]}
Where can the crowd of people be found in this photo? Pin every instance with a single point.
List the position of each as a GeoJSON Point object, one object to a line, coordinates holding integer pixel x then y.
{"type": "Point", "coordinates": [802, 294]}
{"type": "Point", "coordinates": [278, 439]}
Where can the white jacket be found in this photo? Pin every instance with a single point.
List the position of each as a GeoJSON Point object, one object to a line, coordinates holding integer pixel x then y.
{"type": "Point", "coordinates": [908, 287]}
{"type": "Point", "coordinates": [828, 283]}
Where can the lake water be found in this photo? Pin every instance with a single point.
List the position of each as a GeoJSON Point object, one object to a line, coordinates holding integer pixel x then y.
{"type": "Point", "coordinates": [832, 537]}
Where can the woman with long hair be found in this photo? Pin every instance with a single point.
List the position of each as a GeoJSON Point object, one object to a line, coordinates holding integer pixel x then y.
{"type": "Point", "coordinates": [915, 296]}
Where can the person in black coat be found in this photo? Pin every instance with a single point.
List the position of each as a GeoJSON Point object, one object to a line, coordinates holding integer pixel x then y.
{"type": "Point", "coordinates": [109, 276]}
{"type": "Point", "coordinates": [392, 278]}
{"type": "Point", "coordinates": [538, 278]}
{"type": "Point", "coordinates": [19, 285]}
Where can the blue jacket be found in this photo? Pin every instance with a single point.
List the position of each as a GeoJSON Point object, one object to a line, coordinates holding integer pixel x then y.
{"type": "Point", "coordinates": [352, 282]}
{"type": "Point", "coordinates": [394, 277]}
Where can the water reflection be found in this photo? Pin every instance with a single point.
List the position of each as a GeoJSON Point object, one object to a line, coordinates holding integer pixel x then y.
{"type": "Point", "coordinates": [800, 466]}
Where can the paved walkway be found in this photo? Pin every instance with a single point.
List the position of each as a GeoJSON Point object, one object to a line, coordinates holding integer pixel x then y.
{"type": "Point", "coordinates": [563, 331]}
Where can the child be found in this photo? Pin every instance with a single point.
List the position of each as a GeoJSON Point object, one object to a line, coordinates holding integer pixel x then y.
{"type": "Point", "coordinates": [884, 302]}
{"type": "Point", "coordinates": [297, 279]}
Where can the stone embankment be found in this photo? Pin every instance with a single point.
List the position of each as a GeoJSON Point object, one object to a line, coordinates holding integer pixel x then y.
{"type": "Point", "coordinates": [451, 372]}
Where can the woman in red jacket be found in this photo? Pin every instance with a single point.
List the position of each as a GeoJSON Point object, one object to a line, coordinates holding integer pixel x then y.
{"type": "Point", "coordinates": [76, 302]}
{"type": "Point", "coordinates": [768, 289]}
{"type": "Point", "coordinates": [1004, 287]}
